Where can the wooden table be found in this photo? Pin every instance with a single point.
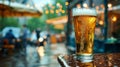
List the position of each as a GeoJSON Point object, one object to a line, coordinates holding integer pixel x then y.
{"type": "Point", "coordinates": [100, 60]}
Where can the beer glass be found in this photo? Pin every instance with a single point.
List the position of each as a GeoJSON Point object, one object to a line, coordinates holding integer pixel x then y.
{"type": "Point", "coordinates": [84, 20]}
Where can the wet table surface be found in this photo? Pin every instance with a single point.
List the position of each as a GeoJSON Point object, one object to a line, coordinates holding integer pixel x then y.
{"type": "Point", "coordinates": [34, 56]}
{"type": "Point", "coordinates": [100, 60]}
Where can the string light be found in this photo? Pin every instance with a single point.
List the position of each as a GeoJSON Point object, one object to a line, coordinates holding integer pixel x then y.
{"type": "Point", "coordinates": [101, 22]}
{"type": "Point", "coordinates": [46, 11]}
{"type": "Point", "coordinates": [114, 18]}
{"type": "Point", "coordinates": [52, 11]}
{"type": "Point", "coordinates": [57, 11]}
{"type": "Point", "coordinates": [66, 3]}
{"type": "Point", "coordinates": [63, 11]}
{"type": "Point", "coordinates": [58, 4]}
{"type": "Point", "coordinates": [85, 5]}
{"type": "Point", "coordinates": [109, 5]}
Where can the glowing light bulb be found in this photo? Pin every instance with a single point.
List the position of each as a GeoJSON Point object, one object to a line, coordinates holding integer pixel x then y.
{"type": "Point", "coordinates": [109, 5]}
{"type": "Point", "coordinates": [101, 22]}
{"type": "Point", "coordinates": [85, 5]}
{"type": "Point", "coordinates": [46, 11]}
{"type": "Point", "coordinates": [114, 18]}
{"type": "Point", "coordinates": [66, 3]}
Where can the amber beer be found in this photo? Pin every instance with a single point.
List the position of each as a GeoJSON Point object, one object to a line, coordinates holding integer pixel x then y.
{"type": "Point", "coordinates": [84, 26]}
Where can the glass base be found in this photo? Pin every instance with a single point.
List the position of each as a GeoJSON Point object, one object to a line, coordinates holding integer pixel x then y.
{"type": "Point", "coordinates": [85, 58]}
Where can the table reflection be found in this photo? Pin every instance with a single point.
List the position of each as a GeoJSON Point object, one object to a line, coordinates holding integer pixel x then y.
{"type": "Point", "coordinates": [100, 60]}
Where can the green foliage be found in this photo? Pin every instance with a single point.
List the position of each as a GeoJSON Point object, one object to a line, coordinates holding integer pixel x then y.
{"type": "Point", "coordinates": [37, 22]}
{"type": "Point", "coordinates": [8, 21]}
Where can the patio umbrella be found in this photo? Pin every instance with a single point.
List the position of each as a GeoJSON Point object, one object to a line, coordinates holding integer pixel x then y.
{"type": "Point", "coordinates": [8, 9]}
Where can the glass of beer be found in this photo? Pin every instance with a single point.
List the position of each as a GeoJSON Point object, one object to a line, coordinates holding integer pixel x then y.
{"type": "Point", "coordinates": [84, 20]}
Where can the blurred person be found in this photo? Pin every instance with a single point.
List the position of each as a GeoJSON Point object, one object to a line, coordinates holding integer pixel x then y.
{"type": "Point", "coordinates": [33, 37]}
{"type": "Point", "coordinates": [40, 42]}
{"type": "Point", "coordinates": [25, 33]}
{"type": "Point", "coordinates": [40, 39]}
{"type": "Point", "coordinates": [25, 36]}
{"type": "Point", "coordinates": [38, 31]}
{"type": "Point", "coordinates": [10, 36]}
{"type": "Point", "coordinates": [9, 42]}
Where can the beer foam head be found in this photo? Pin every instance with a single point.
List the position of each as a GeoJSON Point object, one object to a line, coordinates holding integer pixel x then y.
{"type": "Point", "coordinates": [84, 11]}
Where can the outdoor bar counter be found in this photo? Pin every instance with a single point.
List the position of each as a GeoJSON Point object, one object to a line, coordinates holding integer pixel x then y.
{"type": "Point", "coordinates": [99, 60]}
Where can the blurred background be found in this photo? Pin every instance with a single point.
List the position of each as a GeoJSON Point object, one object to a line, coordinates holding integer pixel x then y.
{"type": "Point", "coordinates": [33, 33]}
